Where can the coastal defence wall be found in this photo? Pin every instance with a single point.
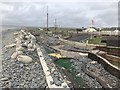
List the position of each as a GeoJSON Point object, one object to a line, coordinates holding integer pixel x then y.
{"type": "Point", "coordinates": [107, 65]}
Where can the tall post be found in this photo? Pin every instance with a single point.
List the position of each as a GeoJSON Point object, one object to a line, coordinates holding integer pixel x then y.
{"type": "Point", "coordinates": [55, 24]}
{"type": "Point", "coordinates": [92, 22]}
{"type": "Point", "coordinates": [47, 18]}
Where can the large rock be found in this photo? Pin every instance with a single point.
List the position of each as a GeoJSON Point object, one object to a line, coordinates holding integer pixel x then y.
{"type": "Point", "coordinates": [24, 59]}
{"type": "Point", "coordinates": [15, 54]}
{"type": "Point", "coordinates": [10, 46]}
{"type": "Point", "coordinates": [26, 43]}
{"type": "Point", "coordinates": [31, 47]}
{"type": "Point", "coordinates": [20, 48]}
{"type": "Point", "coordinates": [4, 79]}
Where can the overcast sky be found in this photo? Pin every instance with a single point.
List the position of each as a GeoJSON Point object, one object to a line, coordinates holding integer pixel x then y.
{"type": "Point", "coordinates": [72, 13]}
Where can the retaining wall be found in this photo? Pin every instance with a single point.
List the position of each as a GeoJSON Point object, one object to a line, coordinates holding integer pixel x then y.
{"type": "Point", "coordinates": [107, 66]}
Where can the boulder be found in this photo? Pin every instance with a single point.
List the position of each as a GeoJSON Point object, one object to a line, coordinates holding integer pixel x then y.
{"type": "Point", "coordinates": [26, 43]}
{"type": "Point", "coordinates": [4, 79]}
{"type": "Point", "coordinates": [24, 58]}
{"type": "Point", "coordinates": [15, 54]}
{"type": "Point", "coordinates": [10, 46]}
{"type": "Point", "coordinates": [20, 48]}
{"type": "Point", "coordinates": [31, 47]}
{"type": "Point", "coordinates": [15, 33]}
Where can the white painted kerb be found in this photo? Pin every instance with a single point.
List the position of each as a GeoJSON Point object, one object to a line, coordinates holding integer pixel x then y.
{"type": "Point", "coordinates": [47, 73]}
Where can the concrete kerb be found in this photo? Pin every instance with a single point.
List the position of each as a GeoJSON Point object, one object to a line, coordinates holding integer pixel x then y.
{"type": "Point", "coordinates": [48, 74]}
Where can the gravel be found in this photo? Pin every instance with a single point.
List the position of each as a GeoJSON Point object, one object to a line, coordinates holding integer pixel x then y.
{"type": "Point", "coordinates": [16, 74]}
{"type": "Point", "coordinates": [98, 69]}
{"type": "Point", "coordinates": [56, 75]}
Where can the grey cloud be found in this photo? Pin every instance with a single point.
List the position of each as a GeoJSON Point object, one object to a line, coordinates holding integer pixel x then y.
{"type": "Point", "coordinates": [67, 14]}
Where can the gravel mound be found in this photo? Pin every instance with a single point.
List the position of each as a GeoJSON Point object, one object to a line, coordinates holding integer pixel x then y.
{"type": "Point", "coordinates": [16, 74]}
{"type": "Point", "coordinates": [19, 75]}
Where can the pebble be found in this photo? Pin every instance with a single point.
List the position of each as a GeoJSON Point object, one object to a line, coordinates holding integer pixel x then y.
{"type": "Point", "coordinates": [21, 65]}
{"type": "Point", "coordinates": [64, 86]}
{"type": "Point", "coordinates": [51, 82]}
{"type": "Point", "coordinates": [4, 79]}
{"type": "Point", "coordinates": [58, 83]}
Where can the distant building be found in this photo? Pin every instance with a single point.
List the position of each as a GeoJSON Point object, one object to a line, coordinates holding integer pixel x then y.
{"type": "Point", "coordinates": [110, 32]}
{"type": "Point", "coordinates": [90, 30]}
{"type": "Point", "coordinates": [41, 29]}
{"type": "Point", "coordinates": [116, 32]}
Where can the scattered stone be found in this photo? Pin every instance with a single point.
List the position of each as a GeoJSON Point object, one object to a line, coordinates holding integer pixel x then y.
{"type": "Point", "coordinates": [10, 46]}
{"type": "Point", "coordinates": [78, 75]}
{"type": "Point", "coordinates": [24, 59]}
{"type": "Point", "coordinates": [4, 79]}
{"type": "Point", "coordinates": [93, 62]}
{"type": "Point", "coordinates": [36, 62]}
{"type": "Point", "coordinates": [58, 83]}
{"type": "Point", "coordinates": [64, 86]}
{"type": "Point", "coordinates": [20, 48]}
{"type": "Point", "coordinates": [15, 54]}
{"type": "Point", "coordinates": [31, 47]}
{"type": "Point", "coordinates": [51, 82]}
{"type": "Point", "coordinates": [21, 65]}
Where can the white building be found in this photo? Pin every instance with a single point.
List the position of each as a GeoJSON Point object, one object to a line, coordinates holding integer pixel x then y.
{"type": "Point", "coordinates": [90, 30]}
{"type": "Point", "coordinates": [116, 32]}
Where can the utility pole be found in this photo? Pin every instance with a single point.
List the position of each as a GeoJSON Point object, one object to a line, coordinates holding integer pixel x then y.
{"type": "Point", "coordinates": [92, 22]}
{"type": "Point", "coordinates": [55, 23]}
{"type": "Point", "coordinates": [47, 19]}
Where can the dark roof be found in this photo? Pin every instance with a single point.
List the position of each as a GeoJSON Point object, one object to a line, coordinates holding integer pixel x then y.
{"type": "Point", "coordinates": [112, 40]}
